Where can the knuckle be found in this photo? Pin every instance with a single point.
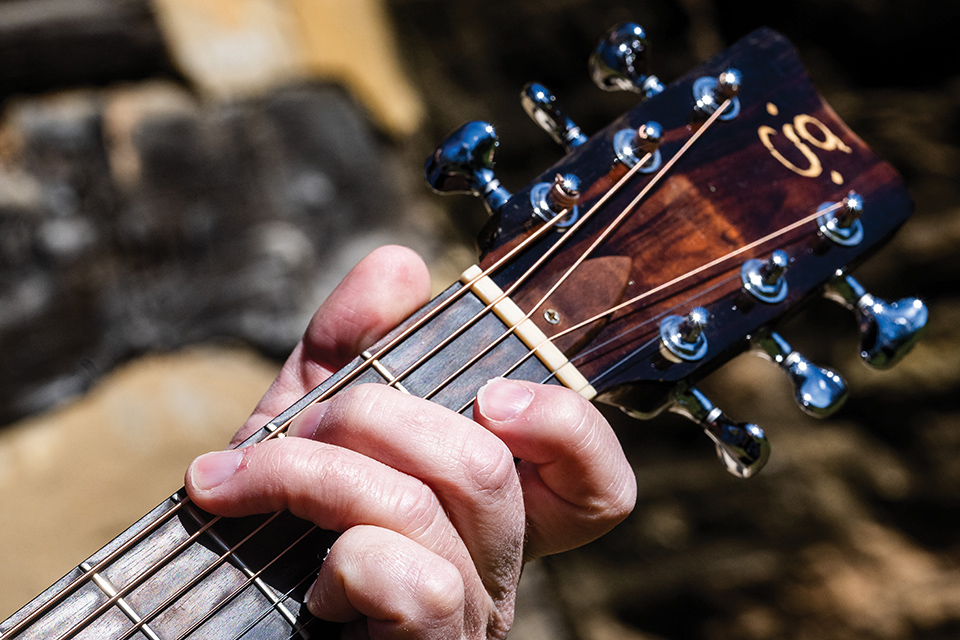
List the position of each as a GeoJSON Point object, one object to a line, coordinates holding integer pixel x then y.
{"type": "Point", "coordinates": [439, 589]}
{"type": "Point", "coordinates": [489, 467]}
{"type": "Point", "coordinates": [419, 506]}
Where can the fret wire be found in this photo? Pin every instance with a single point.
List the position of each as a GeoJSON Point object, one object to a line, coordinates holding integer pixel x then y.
{"type": "Point", "coordinates": [157, 610]}
{"type": "Point", "coordinates": [266, 612]}
{"type": "Point", "coordinates": [247, 583]}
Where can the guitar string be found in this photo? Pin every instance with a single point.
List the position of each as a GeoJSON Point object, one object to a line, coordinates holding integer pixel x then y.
{"type": "Point", "coordinates": [87, 576]}
{"type": "Point", "coordinates": [286, 596]}
{"type": "Point", "coordinates": [675, 281]}
{"type": "Point", "coordinates": [528, 273]}
{"type": "Point", "coordinates": [582, 257]}
{"type": "Point", "coordinates": [610, 228]}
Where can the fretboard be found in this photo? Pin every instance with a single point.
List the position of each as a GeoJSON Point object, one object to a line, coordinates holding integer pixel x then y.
{"type": "Point", "coordinates": [180, 572]}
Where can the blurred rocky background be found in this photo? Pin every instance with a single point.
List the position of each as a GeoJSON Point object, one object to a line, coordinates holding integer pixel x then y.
{"type": "Point", "coordinates": [181, 181]}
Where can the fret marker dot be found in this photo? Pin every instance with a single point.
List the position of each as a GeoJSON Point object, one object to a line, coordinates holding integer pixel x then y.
{"type": "Point", "coordinates": [772, 109]}
{"type": "Point", "coordinates": [836, 177]}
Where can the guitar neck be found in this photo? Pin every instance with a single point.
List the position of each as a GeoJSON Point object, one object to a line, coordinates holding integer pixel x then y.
{"type": "Point", "coordinates": [180, 572]}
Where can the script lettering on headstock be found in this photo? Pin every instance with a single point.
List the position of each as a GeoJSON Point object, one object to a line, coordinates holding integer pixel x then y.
{"type": "Point", "coordinates": [800, 135]}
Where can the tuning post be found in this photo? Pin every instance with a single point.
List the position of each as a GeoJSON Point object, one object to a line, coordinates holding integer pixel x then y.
{"type": "Point", "coordinates": [765, 279]}
{"type": "Point", "coordinates": [683, 338]}
{"type": "Point", "coordinates": [463, 163]}
{"type": "Point", "coordinates": [888, 330]}
{"type": "Point", "coordinates": [633, 145]}
{"type": "Point", "coordinates": [742, 447]}
{"type": "Point", "coordinates": [558, 198]}
{"type": "Point", "coordinates": [709, 93]}
{"type": "Point", "coordinates": [841, 221]}
{"type": "Point", "coordinates": [542, 107]}
{"type": "Point", "coordinates": [619, 62]}
{"type": "Point", "coordinates": [819, 391]}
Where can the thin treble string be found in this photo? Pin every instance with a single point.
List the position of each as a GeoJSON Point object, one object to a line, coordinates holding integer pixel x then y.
{"type": "Point", "coordinates": [87, 576]}
{"type": "Point", "coordinates": [610, 228]}
{"type": "Point", "coordinates": [273, 607]}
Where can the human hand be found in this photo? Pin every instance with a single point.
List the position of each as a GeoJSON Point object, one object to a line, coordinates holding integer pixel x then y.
{"type": "Point", "coordinates": [436, 516]}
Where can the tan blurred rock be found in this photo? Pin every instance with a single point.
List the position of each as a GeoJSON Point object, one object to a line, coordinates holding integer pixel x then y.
{"type": "Point", "coordinates": [233, 48]}
{"type": "Point", "coordinates": [72, 479]}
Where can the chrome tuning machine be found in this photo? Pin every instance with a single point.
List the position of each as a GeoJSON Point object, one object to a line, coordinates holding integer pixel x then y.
{"type": "Point", "coordinates": [765, 280]}
{"type": "Point", "coordinates": [888, 330]}
{"type": "Point", "coordinates": [558, 198]}
{"type": "Point", "coordinates": [541, 105]}
{"type": "Point", "coordinates": [742, 447]}
{"type": "Point", "coordinates": [619, 62]}
{"type": "Point", "coordinates": [819, 391]}
{"type": "Point", "coordinates": [682, 337]}
{"type": "Point", "coordinates": [463, 163]}
{"type": "Point", "coordinates": [840, 221]}
{"type": "Point", "coordinates": [641, 144]}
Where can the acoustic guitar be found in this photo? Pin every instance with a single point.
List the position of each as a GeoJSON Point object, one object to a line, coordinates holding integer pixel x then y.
{"type": "Point", "coordinates": [653, 252]}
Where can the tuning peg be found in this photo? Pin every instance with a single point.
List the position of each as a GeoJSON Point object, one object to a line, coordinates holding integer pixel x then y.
{"type": "Point", "coordinates": [682, 338]}
{"type": "Point", "coordinates": [742, 447]}
{"type": "Point", "coordinates": [888, 330]}
{"type": "Point", "coordinates": [619, 62]}
{"type": "Point", "coordinates": [463, 163]}
{"type": "Point", "coordinates": [819, 391]}
{"type": "Point", "coordinates": [558, 198]}
{"type": "Point", "coordinates": [709, 93]}
{"type": "Point", "coordinates": [841, 221]}
{"type": "Point", "coordinates": [541, 105]}
{"type": "Point", "coordinates": [632, 145]}
{"type": "Point", "coordinates": [765, 280]}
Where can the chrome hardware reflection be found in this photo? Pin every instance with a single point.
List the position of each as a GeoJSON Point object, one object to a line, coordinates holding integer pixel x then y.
{"type": "Point", "coordinates": [765, 280]}
{"type": "Point", "coordinates": [742, 447]}
{"type": "Point", "coordinates": [541, 105]}
{"type": "Point", "coordinates": [683, 337]}
{"type": "Point", "coordinates": [819, 391]}
{"type": "Point", "coordinates": [463, 163]}
{"type": "Point", "coordinates": [709, 93]}
{"type": "Point", "coordinates": [558, 198]}
{"type": "Point", "coordinates": [843, 226]}
{"type": "Point", "coordinates": [888, 330]}
{"type": "Point", "coordinates": [619, 62]}
{"type": "Point", "coordinates": [632, 145]}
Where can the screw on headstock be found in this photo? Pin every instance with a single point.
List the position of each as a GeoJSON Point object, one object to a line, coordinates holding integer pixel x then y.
{"type": "Point", "coordinates": [542, 107]}
{"type": "Point", "coordinates": [819, 391]}
{"type": "Point", "coordinates": [619, 63]}
{"type": "Point", "coordinates": [888, 330]}
{"type": "Point", "coordinates": [463, 163]}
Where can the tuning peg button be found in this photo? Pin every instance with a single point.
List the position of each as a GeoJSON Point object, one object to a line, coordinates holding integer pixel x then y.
{"type": "Point", "coordinates": [742, 447]}
{"type": "Point", "coordinates": [541, 105]}
{"type": "Point", "coordinates": [463, 163]}
{"type": "Point", "coordinates": [819, 391]}
{"type": "Point", "coordinates": [619, 62]}
{"type": "Point", "coordinates": [888, 330]}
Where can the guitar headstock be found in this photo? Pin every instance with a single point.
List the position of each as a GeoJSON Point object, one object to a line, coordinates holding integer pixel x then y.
{"type": "Point", "coordinates": [676, 238]}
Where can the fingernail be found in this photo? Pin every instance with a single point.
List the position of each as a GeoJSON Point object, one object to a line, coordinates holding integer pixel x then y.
{"type": "Point", "coordinates": [212, 469]}
{"type": "Point", "coordinates": [306, 424]}
{"type": "Point", "coordinates": [501, 399]}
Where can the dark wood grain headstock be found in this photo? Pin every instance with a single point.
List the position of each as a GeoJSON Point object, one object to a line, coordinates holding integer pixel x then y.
{"type": "Point", "coordinates": [745, 179]}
